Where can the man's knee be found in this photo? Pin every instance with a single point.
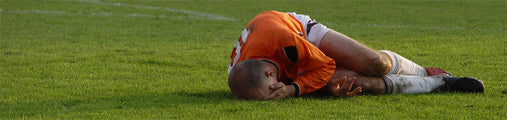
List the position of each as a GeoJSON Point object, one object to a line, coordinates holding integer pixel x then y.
{"type": "Point", "coordinates": [379, 65]}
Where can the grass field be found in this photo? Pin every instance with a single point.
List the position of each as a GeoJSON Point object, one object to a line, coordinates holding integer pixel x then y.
{"type": "Point", "coordinates": [167, 59]}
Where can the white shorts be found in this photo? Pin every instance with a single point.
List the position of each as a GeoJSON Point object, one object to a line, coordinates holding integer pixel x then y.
{"type": "Point", "coordinates": [314, 31]}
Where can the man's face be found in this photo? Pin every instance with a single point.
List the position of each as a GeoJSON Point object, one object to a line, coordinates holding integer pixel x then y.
{"type": "Point", "coordinates": [262, 92]}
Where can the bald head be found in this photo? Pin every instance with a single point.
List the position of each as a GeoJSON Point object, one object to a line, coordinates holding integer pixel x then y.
{"type": "Point", "coordinates": [248, 79]}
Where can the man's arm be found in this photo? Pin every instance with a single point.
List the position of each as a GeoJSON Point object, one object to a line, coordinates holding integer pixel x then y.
{"type": "Point", "coordinates": [341, 87]}
{"type": "Point", "coordinates": [281, 91]}
{"type": "Point", "coordinates": [316, 76]}
{"type": "Point", "coordinates": [318, 69]}
{"type": "Point", "coordinates": [352, 55]}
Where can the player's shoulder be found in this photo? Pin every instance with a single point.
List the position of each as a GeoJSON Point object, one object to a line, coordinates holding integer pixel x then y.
{"type": "Point", "coordinates": [273, 12]}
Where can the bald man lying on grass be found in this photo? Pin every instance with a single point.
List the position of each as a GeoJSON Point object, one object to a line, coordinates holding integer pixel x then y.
{"type": "Point", "coordinates": [280, 55]}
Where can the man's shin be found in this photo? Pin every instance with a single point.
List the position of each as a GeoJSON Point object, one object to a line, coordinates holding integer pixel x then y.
{"type": "Point", "coordinates": [404, 84]}
{"type": "Point", "coordinates": [370, 85]}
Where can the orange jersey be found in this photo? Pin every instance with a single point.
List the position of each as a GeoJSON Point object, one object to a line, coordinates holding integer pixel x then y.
{"type": "Point", "coordinates": [279, 38]}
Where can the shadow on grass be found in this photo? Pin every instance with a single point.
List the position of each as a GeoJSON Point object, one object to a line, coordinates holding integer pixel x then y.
{"type": "Point", "coordinates": [92, 105]}
{"type": "Point", "coordinates": [86, 106]}
{"type": "Point", "coordinates": [210, 95]}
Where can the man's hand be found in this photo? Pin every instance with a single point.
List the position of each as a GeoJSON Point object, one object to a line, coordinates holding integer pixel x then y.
{"type": "Point", "coordinates": [342, 88]}
{"type": "Point", "coordinates": [280, 90]}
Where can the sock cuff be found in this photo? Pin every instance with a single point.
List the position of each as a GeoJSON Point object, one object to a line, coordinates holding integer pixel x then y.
{"type": "Point", "coordinates": [394, 60]}
{"type": "Point", "coordinates": [389, 84]}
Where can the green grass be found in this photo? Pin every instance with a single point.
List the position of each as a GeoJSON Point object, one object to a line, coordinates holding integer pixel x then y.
{"type": "Point", "coordinates": [66, 59]}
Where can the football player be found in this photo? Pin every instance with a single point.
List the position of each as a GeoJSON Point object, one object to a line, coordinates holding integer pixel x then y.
{"type": "Point", "coordinates": [284, 54]}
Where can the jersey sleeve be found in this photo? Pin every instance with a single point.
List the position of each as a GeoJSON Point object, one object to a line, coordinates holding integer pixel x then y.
{"type": "Point", "coordinates": [317, 67]}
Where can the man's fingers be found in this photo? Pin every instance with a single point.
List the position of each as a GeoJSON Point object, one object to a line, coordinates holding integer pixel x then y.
{"type": "Point", "coordinates": [342, 80]}
{"type": "Point", "coordinates": [278, 96]}
{"type": "Point", "coordinates": [271, 95]}
{"type": "Point", "coordinates": [349, 83]}
{"type": "Point", "coordinates": [354, 92]}
{"type": "Point", "coordinates": [275, 95]}
{"type": "Point", "coordinates": [345, 87]}
{"type": "Point", "coordinates": [334, 85]}
{"type": "Point", "coordinates": [278, 88]}
{"type": "Point", "coordinates": [277, 85]}
{"type": "Point", "coordinates": [358, 90]}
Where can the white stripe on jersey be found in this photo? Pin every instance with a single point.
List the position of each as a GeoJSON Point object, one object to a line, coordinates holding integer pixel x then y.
{"type": "Point", "coordinates": [237, 46]}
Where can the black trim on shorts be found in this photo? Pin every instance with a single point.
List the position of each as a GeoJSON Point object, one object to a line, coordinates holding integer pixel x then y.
{"type": "Point", "coordinates": [309, 26]}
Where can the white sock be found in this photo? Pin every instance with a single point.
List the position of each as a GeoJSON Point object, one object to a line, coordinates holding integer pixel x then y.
{"type": "Point", "coordinates": [403, 66]}
{"type": "Point", "coordinates": [405, 84]}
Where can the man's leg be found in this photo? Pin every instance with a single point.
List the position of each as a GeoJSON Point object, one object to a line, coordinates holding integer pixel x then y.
{"type": "Point", "coordinates": [405, 84]}
{"type": "Point", "coordinates": [371, 85]}
{"type": "Point", "coordinates": [391, 83]}
{"type": "Point", "coordinates": [403, 66]}
{"type": "Point", "coordinates": [396, 84]}
{"type": "Point", "coordinates": [344, 50]}
{"type": "Point", "coordinates": [352, 55]}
